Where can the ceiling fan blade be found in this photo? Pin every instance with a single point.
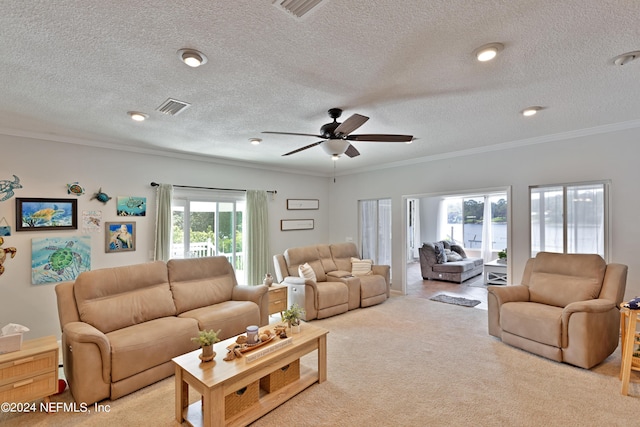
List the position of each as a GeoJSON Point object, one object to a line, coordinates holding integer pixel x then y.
{"type": "Point", "coordinates": [292, 133]}
{"type": "Point", "coordinates": [351, 124]}
{"type": "Point", "coordinates": [303, 148]}
{"type": "Point", "coordinates": [351, 151]}
{"type": "Point", "coordinates": [380, 138]}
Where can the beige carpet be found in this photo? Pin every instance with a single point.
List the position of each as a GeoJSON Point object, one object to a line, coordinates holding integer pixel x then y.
{"type": "Point", "coordinates": [411, 362]}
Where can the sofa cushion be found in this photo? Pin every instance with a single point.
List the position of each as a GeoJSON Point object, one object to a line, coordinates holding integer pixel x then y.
{"type": "Point", "coordinates": [307, 272]}
{"type": "Point", "coordinates": [342, 254]}
{"type": "Point", "coordinates": [454, 267]}
{"type": "Point", "coordinates": [200, 282]}
{"type": "Point", "coordinates": [137, 348]}
{"type": "Point", "coordinates": [538, 322]}
{"type": "Point", "coordinates": [305, 254]}
{"type": "Point", "coordinates": [137, 293]}
{"type": "Point", "coordinates": [371, 286]}
{"type": "Point", "coordinates": [361, 267]}
{"type": "Point", "coordinates": [452, 256]}
{"type": "Point", "coordinates": [231, 317]}
{"type": "Point", "coordinates": [560, 279]}
{"type": "Point", "coordinates": [441, 256]}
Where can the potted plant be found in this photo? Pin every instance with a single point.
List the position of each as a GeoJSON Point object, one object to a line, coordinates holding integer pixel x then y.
{"type": "Point", "coordinates": [293, 316]}
{"type": "Point", "coordinates": [502, 256]}
{"type": "Point", "coordinates": [207, 339]}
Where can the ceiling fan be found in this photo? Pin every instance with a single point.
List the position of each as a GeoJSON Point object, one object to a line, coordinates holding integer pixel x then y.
{"type": "Point", "coordinates": [337, 136]}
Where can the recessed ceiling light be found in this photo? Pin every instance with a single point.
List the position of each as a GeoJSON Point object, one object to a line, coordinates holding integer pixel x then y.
{"type": "Point", "coordinates": [137, 116]}
{"type": "Point", "coordinates": [255, 141]}
{"type": "Point", "coordinates": [192, 57]}
{"type": "Point", "coordinates": [530, 111]}
{"type": "Point", "coordinates": [488, 51]}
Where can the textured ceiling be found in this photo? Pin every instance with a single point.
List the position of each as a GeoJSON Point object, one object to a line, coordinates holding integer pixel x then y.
{"type": "Point", "coordinates": [71, 70]}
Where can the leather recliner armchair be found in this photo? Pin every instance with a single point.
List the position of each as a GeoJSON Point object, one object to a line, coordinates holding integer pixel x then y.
{"type": "Point", "coordinates": [566, 309]}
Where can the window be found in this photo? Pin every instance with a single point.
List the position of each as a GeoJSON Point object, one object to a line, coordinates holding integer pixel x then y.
{"type": "Point", "coordinates": [375, 230]}
{"type": "Point", "coordinates": [569, 218]}
{"type": "Point", "coordinates": [466, 225]}
{"type": "Point", "coordinates": [208, 225]}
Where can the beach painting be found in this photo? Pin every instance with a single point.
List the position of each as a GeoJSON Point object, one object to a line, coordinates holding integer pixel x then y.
{"type": "Point", "coordinates": [59, 259]}
{"type": "Point", "coordinates": [132, 206]}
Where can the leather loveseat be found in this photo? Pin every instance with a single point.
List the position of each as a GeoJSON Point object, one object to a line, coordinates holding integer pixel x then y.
{"type": "Point", "coordinates": [122, 326]}
{"type": "Point", "coordinates": [566, 308]}
{"type": "Point", "coordinates": [335, 289]}
{"type": "Point", "coordinates": [452, 264]}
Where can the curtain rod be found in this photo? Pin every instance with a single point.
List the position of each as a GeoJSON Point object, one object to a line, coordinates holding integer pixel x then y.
{"type": "Point", "coordinates": [155, 184]}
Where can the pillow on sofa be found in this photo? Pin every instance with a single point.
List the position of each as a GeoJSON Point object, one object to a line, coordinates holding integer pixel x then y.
{"type": "Point", "coordinates": [361, 267]}
{"type": "Point", "coordinates": [441, 256]}
{"type": "Point", "coordinates": [452, 256]}
{"type": "Point", "coordinates": [307, 272]}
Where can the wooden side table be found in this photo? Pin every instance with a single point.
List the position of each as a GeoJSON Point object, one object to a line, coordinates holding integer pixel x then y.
{"type": "Point", "coordinates": [277, 299]}
{"type": "Point", "coordinates": [30, 373]}
{"type": "Point", "coordinates": [630, 339]}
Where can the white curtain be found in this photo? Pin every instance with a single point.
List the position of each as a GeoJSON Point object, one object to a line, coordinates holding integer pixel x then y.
{"type": "Point", "coordinates": [258, 257]}
{"type": "Point", "coordinates": [162, 246]}
{"type": "Point", "coordinates": [487, 238]}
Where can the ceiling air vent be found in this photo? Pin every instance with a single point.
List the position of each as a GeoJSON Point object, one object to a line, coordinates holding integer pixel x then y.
{"type": "Point", "coordinates": [297, 8]}
{"type": "Point", "coordinates": [173, 107]}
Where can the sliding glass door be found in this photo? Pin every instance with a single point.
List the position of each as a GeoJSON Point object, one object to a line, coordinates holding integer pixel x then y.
{"type": "Point", "coordinates": [375, 230]}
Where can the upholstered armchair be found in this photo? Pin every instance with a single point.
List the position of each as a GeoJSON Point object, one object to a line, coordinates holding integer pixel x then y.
{"type": "Point", "coordinates": [566, 308]}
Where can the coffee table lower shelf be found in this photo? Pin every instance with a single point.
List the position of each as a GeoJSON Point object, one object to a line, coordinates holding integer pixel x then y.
{"type": "Point", "coordinates": [268, 402]}
{"type": "Point", "coordinates": [217, 380]}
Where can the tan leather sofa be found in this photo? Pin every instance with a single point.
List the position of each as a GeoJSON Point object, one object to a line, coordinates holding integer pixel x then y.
{"type": "Point", "coordinates": [566, 308]}
{"type": "Point", "coordinates": [335, 290]}
{"type": "Point", "coordinates": [122, 326]}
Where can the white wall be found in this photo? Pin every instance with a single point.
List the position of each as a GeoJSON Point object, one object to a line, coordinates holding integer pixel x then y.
{"type": "Point", "coordinates": [612, 156]}
{"type": "Point", "coordinates": [44, 169]}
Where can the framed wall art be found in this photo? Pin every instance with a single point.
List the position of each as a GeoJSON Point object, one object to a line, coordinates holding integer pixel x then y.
{"type": "Point", "coordinates": [302, 204]}
{"type": "Point", "coordinates": [120, 236]}
{"type": "Point", "coordinates": [296, 224]}
{"type": "Point", "coordinates": [34, 214]}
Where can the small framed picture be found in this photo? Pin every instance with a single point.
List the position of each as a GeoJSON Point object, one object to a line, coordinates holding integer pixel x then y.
{"type": "Point", "coordinates": [120, 236]}
{"type": "Point", "coordinates": [302, 204]}
{"type": "Point", "coordinates": [46, 214]}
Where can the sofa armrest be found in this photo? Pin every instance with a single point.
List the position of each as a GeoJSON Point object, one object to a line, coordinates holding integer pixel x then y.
{"type": "Point", "coordinates": [257, 294]}
{"type": "Point", "coordinates": [498, 295]}
{"type": "Point", "coordinates": [594, 306]}
{"type": "Point", "coordinates": [84, 333]}
{"type": "Point", "coordinates": [384, 271]}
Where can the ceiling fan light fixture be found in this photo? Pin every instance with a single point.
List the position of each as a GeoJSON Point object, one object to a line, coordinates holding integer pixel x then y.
{"type": "Point", "coordinates": [255, 141]}
{"type": "Point", "coordinates": [530, 111]}
{"type": "Point", "coordinates": [192, 57]}
{"type": "Point", "coordinates": [335, 157]}
{"type": "Point", "coordinates": [137, 116]}
{"type": "Point", "coordinates": [488, 51]}
{"type": "Point", "coordinates": [335, 147]}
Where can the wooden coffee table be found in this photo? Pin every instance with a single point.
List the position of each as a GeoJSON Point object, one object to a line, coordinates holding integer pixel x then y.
{"type": "Point", "coordinates": [217, 379]}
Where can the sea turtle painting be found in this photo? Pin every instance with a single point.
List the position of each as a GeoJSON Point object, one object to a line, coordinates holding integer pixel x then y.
{"type": "Point", "coordinates": [102, 197]}
{"type": "Point", "coordinates": [45, 216]}
{"type": "Point", "coordinates": [59, 259]}
{"type": "Point", "coordinates": [75, 188]}
{"type": "Point", "coordinates": [7, 187]}
{"type": "Point", "coordinates": [63, 258]}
